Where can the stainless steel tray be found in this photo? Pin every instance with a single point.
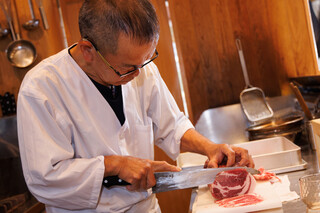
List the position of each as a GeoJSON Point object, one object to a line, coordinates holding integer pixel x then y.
{"type": "Point", "coordinates": [278, 155]}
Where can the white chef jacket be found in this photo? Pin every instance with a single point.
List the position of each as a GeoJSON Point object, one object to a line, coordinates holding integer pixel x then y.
{"type": "Point", "coordinates": [65, 127]}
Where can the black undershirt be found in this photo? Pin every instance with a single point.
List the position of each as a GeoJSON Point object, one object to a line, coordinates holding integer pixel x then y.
{"type": "Point", "coordinates": [113, 95]}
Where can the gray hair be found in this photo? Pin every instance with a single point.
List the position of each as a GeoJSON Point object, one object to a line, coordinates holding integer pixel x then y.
{"type": "Point", "coordinates": [102, 21]}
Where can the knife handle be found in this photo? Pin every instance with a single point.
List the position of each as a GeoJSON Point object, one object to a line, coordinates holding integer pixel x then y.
{"type": "Point", "coordinates": [114, 181]}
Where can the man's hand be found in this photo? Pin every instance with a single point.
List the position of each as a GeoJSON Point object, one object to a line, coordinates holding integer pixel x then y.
{"type": "Point", "coordinates": [218, 154]}
{"type": "Point", "coordinates": [226, 155]}
{"type": "Point", "coordinates": [136, 171]}
{"type": "Point", "coordinates": [242, 157]}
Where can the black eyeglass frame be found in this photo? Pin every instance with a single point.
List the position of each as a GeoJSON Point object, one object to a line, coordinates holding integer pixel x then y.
{"type": "Point", "coordinates": [117, 72]}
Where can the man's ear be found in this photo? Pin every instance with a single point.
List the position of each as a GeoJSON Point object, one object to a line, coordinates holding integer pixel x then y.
{"type": "Point", "coordinates": [87, 50]}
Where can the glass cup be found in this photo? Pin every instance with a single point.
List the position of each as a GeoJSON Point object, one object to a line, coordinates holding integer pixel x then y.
{"type": "Point", "coordinates": [310, 191]}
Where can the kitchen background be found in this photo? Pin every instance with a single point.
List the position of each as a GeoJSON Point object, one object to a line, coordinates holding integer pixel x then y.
{"type": "Point", "coordinates": [276, 35]}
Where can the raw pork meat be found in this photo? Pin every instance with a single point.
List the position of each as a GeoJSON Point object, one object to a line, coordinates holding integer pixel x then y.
{"type": "Point", "coordinates": [264, 175]}
{"type": "Point", "coordinates": [232, 183]}
{"type": "Point", "coordinates": [241, 200]}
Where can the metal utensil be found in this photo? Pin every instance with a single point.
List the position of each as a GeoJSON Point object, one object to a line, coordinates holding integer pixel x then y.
{"type": "Point", "coordinates": [252, 99]}
{"type": "Point", "coordinates": [7, 13]}
{"type": "Point", "coordinates": [287, 127]}
{"type": "Point", "coordinates": [3, 32]}
{"type": "Point", "coordinates": [20, 53]}
{"type": "Point", "coordinates": [43, 14]}
{"type": "Point", "coordinates": [307, 113]}
{"type": "Point", "coordinates": [301, 101]}
{"type": "Point", "coordinates": [187, 178]}
{"type": "Point", "coordinates": [64, 34]}
{"type": "Point", "coordinates": [33, 23]}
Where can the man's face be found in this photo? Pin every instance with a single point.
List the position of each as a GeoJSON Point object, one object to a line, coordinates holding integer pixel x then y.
{"type": "Point", "coordinates": [116, 69]}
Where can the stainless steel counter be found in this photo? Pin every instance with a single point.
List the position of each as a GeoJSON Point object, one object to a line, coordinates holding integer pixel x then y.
{"type": "Point", "coordinates": [228, 125]}
{"type": "Point", "coordinates": [296, 206]}
{"type": "Point", "coordinates": [310, 157]}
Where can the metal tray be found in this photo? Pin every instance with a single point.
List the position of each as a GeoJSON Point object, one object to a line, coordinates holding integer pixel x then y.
{"type": "Point", "coordinates": [278, 155]}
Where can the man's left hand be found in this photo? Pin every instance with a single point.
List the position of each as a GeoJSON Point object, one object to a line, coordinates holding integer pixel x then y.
{"type": "Point", "coordinates": [228, 155]}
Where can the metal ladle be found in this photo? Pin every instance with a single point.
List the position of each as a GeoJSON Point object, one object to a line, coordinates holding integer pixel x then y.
{"type": "Point", "coordinates": [20, 53]}
{"type": "Point", "coordinates": [33, 23]}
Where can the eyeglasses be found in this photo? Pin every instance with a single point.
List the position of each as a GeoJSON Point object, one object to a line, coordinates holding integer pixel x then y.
{"type": "Point", "coordinates": [156, 54]}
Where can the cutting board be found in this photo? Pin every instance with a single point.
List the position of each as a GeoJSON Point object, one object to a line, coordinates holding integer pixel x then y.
{"type": "Point", "coordinates": [205, 203]}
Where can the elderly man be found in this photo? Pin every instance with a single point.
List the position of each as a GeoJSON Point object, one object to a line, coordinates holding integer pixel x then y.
{"type": "Point", "coordinates": [97, 108]}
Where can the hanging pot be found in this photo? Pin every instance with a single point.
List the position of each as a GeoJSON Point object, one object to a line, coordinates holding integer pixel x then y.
{"type": "Point", "coordinates": [20, 53]}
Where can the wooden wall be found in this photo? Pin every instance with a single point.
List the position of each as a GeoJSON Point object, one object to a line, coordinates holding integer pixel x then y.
{"type": "Point", "coordinates": [47, 42]}
{"type": "Point", "coordinates": [276, 39]}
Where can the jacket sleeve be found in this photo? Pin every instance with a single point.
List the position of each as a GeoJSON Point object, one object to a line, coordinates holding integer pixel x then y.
{"type": "Point", "coordinates": [169, 123]}
{"type": "Point", "coordinates": [52, 172]}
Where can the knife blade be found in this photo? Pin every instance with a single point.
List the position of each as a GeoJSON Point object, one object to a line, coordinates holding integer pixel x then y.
{"type": "Point", "coordinates": [188, 177]}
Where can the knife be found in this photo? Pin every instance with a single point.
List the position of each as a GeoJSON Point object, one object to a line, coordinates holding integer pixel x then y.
{"type": "Point", "coordinates": [188, 177]}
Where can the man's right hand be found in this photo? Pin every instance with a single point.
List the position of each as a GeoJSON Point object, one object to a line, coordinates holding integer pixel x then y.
{"type": "Point", "coordinates": [136, 171]}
